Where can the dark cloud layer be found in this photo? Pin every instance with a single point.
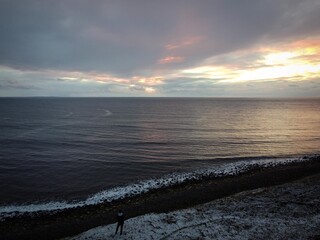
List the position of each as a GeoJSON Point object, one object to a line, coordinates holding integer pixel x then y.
{"type": "Point", "coordinates": [127, 37]}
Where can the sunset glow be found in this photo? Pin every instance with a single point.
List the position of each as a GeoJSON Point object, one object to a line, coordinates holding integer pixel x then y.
{"type": "Point", "coordinates": [211, 49]}
{"type": "Point", "coordinates": [171, 59]}
{"type": "Point", "coordinates": [302, 63]}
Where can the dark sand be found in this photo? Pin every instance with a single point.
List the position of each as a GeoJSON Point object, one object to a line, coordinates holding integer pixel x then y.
{"type": "Point", "coordinates": [74, 221]}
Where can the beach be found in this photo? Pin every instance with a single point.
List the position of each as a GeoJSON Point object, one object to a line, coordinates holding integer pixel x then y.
{"type": "Point", "coordinates": [61, 224]}
{"type": "Point", "coordinates": [288, 211]}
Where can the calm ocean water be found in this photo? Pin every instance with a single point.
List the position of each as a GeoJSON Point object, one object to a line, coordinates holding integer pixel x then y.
{"type": "Point", "coordinates": [55, 149]}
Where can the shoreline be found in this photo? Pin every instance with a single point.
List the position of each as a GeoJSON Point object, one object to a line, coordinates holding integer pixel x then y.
{"type": "Point", "coordinates": [286, 211]}
{"type": "Point", "coordinates": [74, 221]}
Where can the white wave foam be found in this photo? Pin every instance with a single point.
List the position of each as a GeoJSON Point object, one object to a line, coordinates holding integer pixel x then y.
{"type": "Point", "coordinates": [117, 193]}
{"type": "Point", "coordinates": [107, 113]}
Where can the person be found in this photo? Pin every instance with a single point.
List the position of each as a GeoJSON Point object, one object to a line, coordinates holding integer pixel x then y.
{"type": "Point", "coordinates": [120, 219]}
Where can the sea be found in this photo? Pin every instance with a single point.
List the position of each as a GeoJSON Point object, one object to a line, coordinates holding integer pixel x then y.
{"type": "Point", "coordinates": [59, 153]}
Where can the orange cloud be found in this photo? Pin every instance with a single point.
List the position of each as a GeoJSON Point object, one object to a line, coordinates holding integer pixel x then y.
{"type": "Point", "coordinates": [171, 59]}
{"type": "Point", "coordinates": [149, 81]}
{"type": "Point", "coordinates": [136, 83]}
{"type": "Point", "coordinates": [184, 43]}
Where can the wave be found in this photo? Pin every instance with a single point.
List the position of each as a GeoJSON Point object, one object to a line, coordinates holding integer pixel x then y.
{"type": "Point", "coordinates": [141, 187]}
{"type": "Point", "coordinates": [107, 113]}
{"type": "Point", "coordinates": [68, 114]}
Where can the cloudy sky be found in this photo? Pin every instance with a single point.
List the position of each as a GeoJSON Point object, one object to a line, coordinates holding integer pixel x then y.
{"type": "Point", "coordinates": [209, 48]}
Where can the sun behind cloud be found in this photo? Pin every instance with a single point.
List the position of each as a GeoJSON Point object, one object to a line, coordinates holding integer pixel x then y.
{"type": "Point", "coordinates": [294, 61]}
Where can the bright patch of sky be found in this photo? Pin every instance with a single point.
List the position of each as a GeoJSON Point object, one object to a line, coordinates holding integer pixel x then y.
{"type": "Point", "coordinates": [160, 48]}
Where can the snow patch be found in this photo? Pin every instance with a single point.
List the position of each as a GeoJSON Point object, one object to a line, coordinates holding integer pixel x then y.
{"type": "Point", "coordinates": [289, 211]}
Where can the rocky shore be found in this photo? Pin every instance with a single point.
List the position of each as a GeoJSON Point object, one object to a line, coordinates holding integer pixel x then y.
{"type": "Point", "coordinates": [60, 224]}
{"type": "Point", "coordinates": [288, 211]}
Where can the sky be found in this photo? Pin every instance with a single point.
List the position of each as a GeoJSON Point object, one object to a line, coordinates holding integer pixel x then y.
{"type": "Point", "coordinates": [167, 48]}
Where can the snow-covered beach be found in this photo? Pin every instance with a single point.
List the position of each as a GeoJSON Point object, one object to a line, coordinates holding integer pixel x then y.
{"type": "Point", "coordinates": [288, 211]}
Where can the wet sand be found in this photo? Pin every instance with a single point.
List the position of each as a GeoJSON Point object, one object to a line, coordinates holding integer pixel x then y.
{"type": "Point", "coordinates": [74, 221]}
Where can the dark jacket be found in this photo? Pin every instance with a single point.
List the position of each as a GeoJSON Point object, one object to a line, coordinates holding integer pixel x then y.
{"type": "Point", "coordinates": [120, 218]}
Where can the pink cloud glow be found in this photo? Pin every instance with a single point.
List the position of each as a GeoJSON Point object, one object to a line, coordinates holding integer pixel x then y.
{"type": "Point", "coordinates": [171, 59]}
{"type": "Point", "coordinates": [186, 42]}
